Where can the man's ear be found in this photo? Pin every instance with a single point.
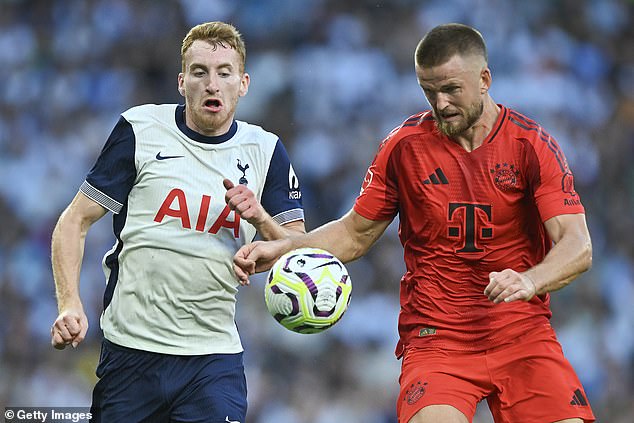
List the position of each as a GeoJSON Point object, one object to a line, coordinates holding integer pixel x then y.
{"type": "Point", "coordinates": [485, 78]}
{"type": "Point", "coordinates": [244, 84]}
{"type": "Point", "coordinates": [181, 87]}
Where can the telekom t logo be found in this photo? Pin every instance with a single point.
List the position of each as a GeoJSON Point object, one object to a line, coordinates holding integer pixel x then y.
{"type": "Point", "coordinates": [473, 218]}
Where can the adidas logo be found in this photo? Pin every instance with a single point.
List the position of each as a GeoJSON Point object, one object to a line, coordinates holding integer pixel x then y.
{"type": "Point", "coordinates": [578, 398]}
{"type": "Point", "coordinates": [436, 178]}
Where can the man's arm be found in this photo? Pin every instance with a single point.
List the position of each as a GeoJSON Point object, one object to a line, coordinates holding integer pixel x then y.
{"type": "Point", "coordinates": [241, 199]}
{"type": "Point", "coordinates": [67, 251]}
{"type": "Point", "coordinates": [348, 238]}
{"type": "Point", "coordinates": [570, 256]}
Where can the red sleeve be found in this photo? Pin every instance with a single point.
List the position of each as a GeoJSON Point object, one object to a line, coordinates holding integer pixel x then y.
{"type": "Point", "coordinates": [378, 199]}
{"type": "Point", "coordinates": [555, 193]}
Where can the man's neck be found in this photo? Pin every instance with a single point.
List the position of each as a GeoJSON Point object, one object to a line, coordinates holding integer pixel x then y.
{"type": "Point", "coordinates": [473, 137]}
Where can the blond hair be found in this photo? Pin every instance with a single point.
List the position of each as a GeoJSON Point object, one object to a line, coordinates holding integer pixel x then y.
{"type": "Point", "coordinates": [216, 33]}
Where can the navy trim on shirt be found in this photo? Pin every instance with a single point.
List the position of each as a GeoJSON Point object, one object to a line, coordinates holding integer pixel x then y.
{"type": "Point", "coordinates": [114, 172]}
{"type": "Point", "coordinates": [180, 122]}
{"type": "Point", "coordinates": [276, 196]}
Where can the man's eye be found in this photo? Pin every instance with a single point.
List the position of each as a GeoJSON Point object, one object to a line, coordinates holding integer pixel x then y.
{"type": "Point", "coordinates": [199, 74]}
{"type": "Point", "coordinates": [224, 74]}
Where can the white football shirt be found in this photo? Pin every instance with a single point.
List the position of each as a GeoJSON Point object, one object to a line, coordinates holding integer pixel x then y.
{"type": "Point", "coordinates": [170, 282]}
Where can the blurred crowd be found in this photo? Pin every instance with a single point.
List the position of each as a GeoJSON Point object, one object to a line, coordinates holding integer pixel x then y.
{"type": "Point", "coordinates": [332, 78]}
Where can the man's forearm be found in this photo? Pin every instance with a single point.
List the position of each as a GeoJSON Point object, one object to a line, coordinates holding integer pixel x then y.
{"type": "Point", "coordinates": [270, 230]}
{"type": "Point", "coordinates": [347, 238]}
{"type": "Point", "coordinates": [67, 249]}
{"type": "Point", "coordinates": [568, 259]}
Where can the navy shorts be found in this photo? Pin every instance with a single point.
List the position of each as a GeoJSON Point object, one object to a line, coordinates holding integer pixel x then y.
{"type": "Point", "coordinates": [137, 386]}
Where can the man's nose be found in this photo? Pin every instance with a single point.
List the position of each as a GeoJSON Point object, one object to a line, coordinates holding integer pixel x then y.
{"type": "Point", "coordinates": [212, 84]}
{"type": "Point", "coordinates": [442, 101]}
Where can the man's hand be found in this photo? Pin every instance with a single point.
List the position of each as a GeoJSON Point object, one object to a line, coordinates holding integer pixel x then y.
{"type": "Point", "coordinates": [241, 199]}
{"type": "Point", "coordinates": [69, 328]}
{"type": "Point", "coordinates": [509, 285]}
{"type": "Point", "coordinates": [258, 256]}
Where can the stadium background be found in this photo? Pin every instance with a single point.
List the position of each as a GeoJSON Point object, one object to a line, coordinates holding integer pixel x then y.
{"type": "Point", "coordinates": [331, 78]}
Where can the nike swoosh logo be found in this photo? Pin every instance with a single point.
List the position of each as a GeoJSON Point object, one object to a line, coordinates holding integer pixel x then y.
{"type": "Point", "coordinates": [159, 157]}
{"type": "Point", "coordinates": [231, 421]}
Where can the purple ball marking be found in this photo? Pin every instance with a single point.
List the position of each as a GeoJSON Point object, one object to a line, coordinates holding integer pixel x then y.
{"type": "Point", "coordinates": [318, 255]}
{"type": "Point", "coordinates": [295, 303]}
{"type": "Point", "coordinates": [309, 283]}
{"type": "Point", "coordinates": [325, 313]}
{"type": "Point", "coordinates": [329, 263]}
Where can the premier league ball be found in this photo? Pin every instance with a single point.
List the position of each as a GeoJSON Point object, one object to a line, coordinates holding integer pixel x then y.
{"type": "Point", "coordinates": [308, 290]}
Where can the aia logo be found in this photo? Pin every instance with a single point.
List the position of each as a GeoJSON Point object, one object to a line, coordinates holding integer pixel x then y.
{"type": "Point", "coordinates": [175, 205]}
{"type": "Point", "coordinates": [506, 177]}
{"type": "Point", "coordinates": [415, 392]}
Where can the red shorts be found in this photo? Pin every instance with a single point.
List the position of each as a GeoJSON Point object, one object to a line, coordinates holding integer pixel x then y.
{"type": "Point", "coordinates": [528, 381]}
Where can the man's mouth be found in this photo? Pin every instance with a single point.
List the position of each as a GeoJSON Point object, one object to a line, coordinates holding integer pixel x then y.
{"type": "Point", "coordinates": [213, 105]}
{"type": "Point", "coordinates": [449, 115]}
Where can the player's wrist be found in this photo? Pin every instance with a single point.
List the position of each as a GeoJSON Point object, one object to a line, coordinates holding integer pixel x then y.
{"type": "Point", "coordinates": [261, 219]}
{"type": "Point", "coordinates": [70, 305]}
{"type": "Point", "coordinates": [289, 243]}
{"type": "Point", "coordinates": [532, 283]}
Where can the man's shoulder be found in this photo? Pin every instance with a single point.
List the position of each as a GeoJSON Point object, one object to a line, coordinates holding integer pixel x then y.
{"type": "Point", "coordinates": [421, 125]}
{"type": "Point", "coordinates": [255, 132]}
{"type": "Point", "coordinates": [150, 111]}
{"type": "Point", "coordinates": [521, 126]}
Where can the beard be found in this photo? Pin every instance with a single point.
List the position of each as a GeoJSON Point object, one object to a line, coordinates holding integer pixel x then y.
{"type": "Point", "coordinates": [210, 124]}
{"type": "Point", "coordinates": [453, 129]}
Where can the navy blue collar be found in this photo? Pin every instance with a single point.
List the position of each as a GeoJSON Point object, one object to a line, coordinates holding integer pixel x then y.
{"type": "Point", "coordinates": [180, 122]}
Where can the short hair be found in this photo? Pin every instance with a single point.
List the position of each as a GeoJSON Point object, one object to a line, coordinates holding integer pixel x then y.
{"type": "Point", "coordinates": [216, 33]}
{"type": "Point", "coordinates": [445, 41]}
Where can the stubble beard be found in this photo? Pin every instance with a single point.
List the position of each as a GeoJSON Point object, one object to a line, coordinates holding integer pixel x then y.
{"type": "Point", "coordinates": [210, 124]}
{"type": "Point", "coordinates": [454, 129]}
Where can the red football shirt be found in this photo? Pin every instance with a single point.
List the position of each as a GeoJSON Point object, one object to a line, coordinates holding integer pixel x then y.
{"type": "Point", "coordinates": [465, 214]}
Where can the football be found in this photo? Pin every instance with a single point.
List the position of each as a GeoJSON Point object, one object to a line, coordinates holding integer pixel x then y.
{"type": "Point", "coordinates": [307, 290]}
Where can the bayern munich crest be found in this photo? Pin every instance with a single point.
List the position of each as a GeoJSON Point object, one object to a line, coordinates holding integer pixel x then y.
{"type": "Point", "coordinates": [415, 392]}
{"type": "Point", "coordinates": [506, 177]}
